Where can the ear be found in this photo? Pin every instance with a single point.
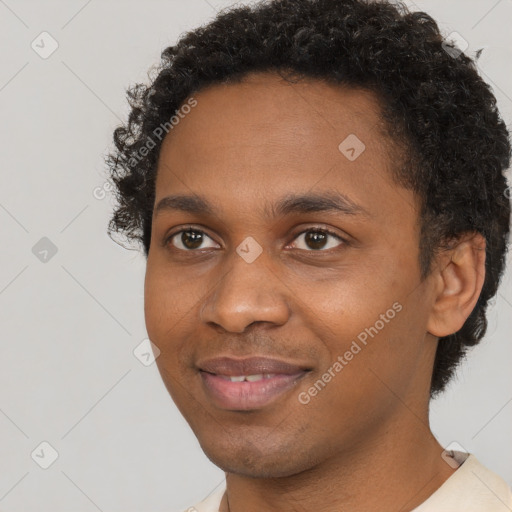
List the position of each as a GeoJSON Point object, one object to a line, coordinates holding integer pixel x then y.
{"type": "Point", "coordinates": [458, 281]}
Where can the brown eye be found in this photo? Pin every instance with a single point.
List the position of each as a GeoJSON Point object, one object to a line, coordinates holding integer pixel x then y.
{"type": "Point", "coordinates": [315, 239]}
{"type": "Point", "coordinates": [318, 240]}
{"type": "Point", "coordinates": [189, 239]}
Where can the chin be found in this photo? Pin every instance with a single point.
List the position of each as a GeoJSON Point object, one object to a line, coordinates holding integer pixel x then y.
{"type": "Point", "coordinates": [257, 459]}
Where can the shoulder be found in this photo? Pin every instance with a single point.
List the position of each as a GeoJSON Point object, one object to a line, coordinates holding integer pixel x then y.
{"type": "Point", "coordinates": [472, 488]}
{"type": "Point", "coordinates": [209, 504]}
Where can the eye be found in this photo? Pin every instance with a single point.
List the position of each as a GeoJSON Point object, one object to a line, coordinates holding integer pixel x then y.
{"type": "Point", "coordinates": [317, 239]}
{"type": "Point", "coordinates": [189, 239]}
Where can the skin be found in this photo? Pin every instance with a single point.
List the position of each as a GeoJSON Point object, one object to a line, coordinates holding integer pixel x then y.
{"type": "Point", "coordinates": [363, 442]}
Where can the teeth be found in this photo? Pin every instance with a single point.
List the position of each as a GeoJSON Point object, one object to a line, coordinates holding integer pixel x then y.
{"type": "Point", "coordinates": [252, 378]}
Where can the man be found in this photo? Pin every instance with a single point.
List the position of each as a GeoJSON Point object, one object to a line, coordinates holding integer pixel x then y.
{"type": "Point", "coordinates": [323, 230]}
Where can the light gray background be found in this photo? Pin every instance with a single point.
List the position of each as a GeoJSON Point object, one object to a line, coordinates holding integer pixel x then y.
{"type": "Point", "coordinates": [69, 325]}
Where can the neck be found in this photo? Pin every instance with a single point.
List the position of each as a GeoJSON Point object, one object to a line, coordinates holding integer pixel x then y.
{"type": "Point", "coordinates": [396, 471]}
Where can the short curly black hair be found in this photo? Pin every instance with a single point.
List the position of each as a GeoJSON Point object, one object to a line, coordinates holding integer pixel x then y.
{"type": "Point", "coordinates": [440, 114]}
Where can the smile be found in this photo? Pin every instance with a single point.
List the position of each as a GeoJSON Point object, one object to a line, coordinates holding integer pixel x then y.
{"type": "Point", "coordinates": [243, 393]}
{"type": "Point", "coordinates": [249, 378]}
{"type": "Point", "coordinates": [248, 384]}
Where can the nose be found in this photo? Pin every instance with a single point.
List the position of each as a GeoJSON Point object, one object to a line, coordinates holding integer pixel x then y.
{"type": "Point", "coordinates": [246, 293]}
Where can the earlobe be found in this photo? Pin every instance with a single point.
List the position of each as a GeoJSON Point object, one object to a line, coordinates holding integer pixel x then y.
{"type": "Point", "coordinates": [459, 281]}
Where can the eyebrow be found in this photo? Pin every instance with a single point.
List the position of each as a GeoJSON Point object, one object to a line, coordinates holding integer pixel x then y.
{"type": "Point", "coordinates": [331, 201]}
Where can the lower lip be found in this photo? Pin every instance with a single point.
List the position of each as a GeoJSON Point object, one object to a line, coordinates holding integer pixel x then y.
{"type": "Point", "coordinates": [245, 396]}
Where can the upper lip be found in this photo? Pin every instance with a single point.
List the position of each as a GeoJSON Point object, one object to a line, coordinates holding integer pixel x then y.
{"type": "Point", "coordinates": [249, 366]}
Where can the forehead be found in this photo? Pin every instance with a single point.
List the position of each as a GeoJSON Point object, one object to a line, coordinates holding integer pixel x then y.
{"type": "Point", "coordinates": [265, 111]}
{"type": "Point", "coordinates": [266, 136]}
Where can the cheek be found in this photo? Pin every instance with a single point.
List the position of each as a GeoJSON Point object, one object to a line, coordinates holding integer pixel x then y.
{"type": "Point", "coordinates": [386, 353]}
{"type": "Point", "coordinates": [163, 308]}
{"type": "Point", "coordinates": [171, 305]}
{"type": "Point", "coordinates": [371, 324]}
{"type": "Point", "coordinates": [162, 312]}
{"type": "Point", "coordinates": [155, 302]}
{"type": "Point", "coordinates": [168, 296]}
{"type": "Point", "coordinates": [344, 305]}
{"type": "Point", "coordinates": [370, 363]}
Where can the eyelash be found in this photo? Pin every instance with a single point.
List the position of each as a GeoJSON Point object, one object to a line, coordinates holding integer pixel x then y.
{"type": "Point", "coordinates": [168, 239]}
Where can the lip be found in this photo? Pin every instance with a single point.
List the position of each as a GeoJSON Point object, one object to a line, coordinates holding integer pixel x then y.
{"type": "Point", "coordinates": [245, 396]}
{"type": "Point", "coordinates": [231, 367]}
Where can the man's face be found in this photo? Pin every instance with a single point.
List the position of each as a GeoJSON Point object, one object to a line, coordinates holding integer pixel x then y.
{"type": "Point", "coordinates": [215, 305]}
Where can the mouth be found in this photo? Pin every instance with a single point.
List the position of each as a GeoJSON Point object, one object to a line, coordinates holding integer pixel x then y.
{"type": "Point", "coordinates": [248, 384]}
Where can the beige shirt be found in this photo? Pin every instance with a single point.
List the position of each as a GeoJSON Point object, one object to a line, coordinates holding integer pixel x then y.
{"type": "Point", "coordinates": [472, 488]}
